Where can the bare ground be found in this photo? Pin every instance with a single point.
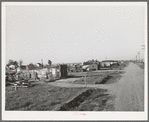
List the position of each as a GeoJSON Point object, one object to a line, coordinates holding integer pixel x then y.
{"type": "Point", "coordinates": [130, 90]}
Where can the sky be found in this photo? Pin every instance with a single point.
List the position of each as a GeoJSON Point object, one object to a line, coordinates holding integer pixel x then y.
{"type": "Point", "coordinates": [67, 34]}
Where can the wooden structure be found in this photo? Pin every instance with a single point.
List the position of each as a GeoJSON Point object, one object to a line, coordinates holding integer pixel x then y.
{"type": "Point", "coordinates": [63, 70]}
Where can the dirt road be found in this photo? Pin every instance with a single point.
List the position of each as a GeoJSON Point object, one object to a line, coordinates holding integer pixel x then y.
{"type": "Point", "coordinates": [130, 92]}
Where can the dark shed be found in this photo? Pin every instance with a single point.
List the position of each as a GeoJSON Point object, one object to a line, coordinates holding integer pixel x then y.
{"type": "Point", "coordinates": [63, 71]}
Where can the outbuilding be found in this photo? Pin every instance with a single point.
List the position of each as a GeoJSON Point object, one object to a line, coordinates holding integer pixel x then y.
{"type": "Point", "coordinates": [90, 67]}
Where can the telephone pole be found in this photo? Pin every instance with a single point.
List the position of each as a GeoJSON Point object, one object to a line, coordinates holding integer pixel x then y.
{"type": "Point", "coordinates": [139, 55]}
{"type": "Point", "coordinates": [42, 62]}
{"type": "Point", "coordinates": [143, 49]}
{"type": "Point", "coordinates": [136, 58]}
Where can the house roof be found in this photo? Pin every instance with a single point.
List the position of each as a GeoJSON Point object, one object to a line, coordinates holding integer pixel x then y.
{"type": "Point", "coordinates": [109, 61]}
{"type": "Point", "coordinates": [85, 66]}
{"type": "Point", "coordinates": [23, 67]}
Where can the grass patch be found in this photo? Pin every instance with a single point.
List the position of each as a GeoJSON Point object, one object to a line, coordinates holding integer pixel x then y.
{"type": "Point", "coordinates": [42, 97]}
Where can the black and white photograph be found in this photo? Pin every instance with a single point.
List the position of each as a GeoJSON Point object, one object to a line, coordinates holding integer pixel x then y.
{"type": "Point", "coordinates": [74, 61]}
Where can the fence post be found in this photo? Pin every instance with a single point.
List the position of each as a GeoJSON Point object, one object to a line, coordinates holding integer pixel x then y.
{"type": "Point", "coordinates": [85, 81]}
{"type": "Point", "coordinates": [15, 86]}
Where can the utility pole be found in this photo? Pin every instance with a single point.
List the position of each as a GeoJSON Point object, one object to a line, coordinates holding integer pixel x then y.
{"type": "Point", "coordinates": [143, 48]}
{"type": "Point", "coordinates": [42, 62]}
{"type": "Point", "coordinates": [85, 80]}
{"type": "Point", "coordinates": [139, 55]}
{"type": "Point", "coordinates": [136, 58]}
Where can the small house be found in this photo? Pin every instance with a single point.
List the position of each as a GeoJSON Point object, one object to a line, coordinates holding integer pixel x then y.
{"type": "Point", "coordinates": [109, 63]}
{"type": "Point", "coordinates": [90, 67]}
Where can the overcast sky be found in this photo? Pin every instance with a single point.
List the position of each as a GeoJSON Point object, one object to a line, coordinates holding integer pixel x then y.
{"type": "Point", "coordinates": [66, 34]}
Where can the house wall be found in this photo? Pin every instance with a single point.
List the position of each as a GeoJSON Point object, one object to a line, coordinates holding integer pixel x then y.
{"type": "Point", "coordinates": [105, 64]}
{"type": "Point", "coordinates": [53, 72]}
{"type": "Point", "coordinates": [32, 74]}
{"type": "Point", "coordinates": [93, 66]}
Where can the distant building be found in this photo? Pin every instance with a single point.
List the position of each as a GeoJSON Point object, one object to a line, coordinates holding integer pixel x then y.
{"type": "Point", "coordinates": [109, 63]}
{"type": "Point", "coordinates": [74, 67]}
{"type": "Point", "coordinates": [90, 67]}
{"type": "Point", "coordinates": [23, 67]}
{"type": "Point", "coordinates": [12, 67]}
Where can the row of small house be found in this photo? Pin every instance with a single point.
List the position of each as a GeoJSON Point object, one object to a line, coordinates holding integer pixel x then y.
{"type": "Point", "coordinates": [23, 72]}
{"type": "Point", "coordinates": [61, 70]}
{"type": "Point", "coordinates": [93, 65]}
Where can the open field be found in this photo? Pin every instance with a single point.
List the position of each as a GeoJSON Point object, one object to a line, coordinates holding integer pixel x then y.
{"type": "Point", "coordinates": [44, 96]}
{"type": "Point", "coordinates": [105, 90]}
{"type": "Point", "coordinates": [50, 98]}
{"type": "Point", "coordinates": [39, 97]}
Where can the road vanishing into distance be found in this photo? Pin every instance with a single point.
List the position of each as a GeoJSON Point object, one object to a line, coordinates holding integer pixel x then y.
{"type": "Point", "coordinates": [128, 91]}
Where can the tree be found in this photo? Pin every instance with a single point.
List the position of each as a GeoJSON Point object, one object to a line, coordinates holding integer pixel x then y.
{"type": "Point", "coordinates": [31, 66]}
{"type": "Point", "coordinates": [12, 62]}
{"type": "Point", "coordinates": [49, 62]}
{"type": "Point", "coordinates": [20, 63]}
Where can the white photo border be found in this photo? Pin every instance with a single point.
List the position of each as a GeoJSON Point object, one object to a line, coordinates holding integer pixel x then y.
{"type": "Point", "coordinates": [86, 115]}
